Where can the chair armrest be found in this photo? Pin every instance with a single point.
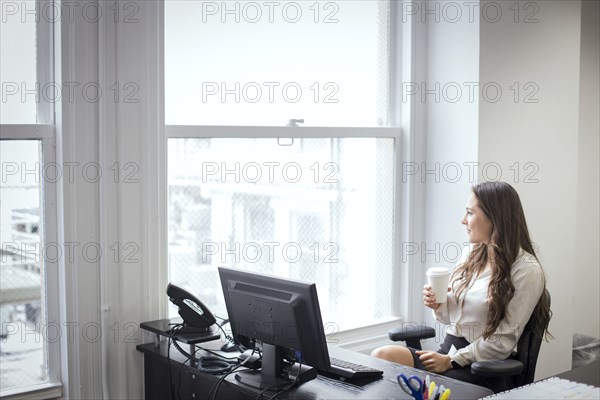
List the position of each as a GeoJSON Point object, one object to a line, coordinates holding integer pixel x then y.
{"type": "Point", "coordinates": [411, 334]}
{"type": "Point", "coordinates": [497, 368]}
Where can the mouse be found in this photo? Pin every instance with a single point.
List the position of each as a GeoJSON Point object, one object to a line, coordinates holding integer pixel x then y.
{"type": "Point", "coordinates": [228, 347]}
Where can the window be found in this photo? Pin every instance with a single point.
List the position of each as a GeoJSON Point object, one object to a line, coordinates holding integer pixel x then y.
{"type": "Point", "coordinates": [28, 273]}
{"type": "Point", "coordinates": [22, 359]}
{"type": "Point", "coordinates": [18, 66]}
{"type": "Point", "coordinates": [314, 200]}
{"type": "Point", "coordinates": [259, 205]}
{"type": "Point", "coordinates": [264, 63]}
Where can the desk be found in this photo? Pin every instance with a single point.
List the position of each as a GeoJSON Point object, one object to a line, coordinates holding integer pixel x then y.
{"type": "Point", "coordinates": [193, 384]}
{"type": "Point", "coordinates": [589, 374]}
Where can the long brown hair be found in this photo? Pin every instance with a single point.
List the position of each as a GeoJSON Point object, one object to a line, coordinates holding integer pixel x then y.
{"type": "Point", "coordinates": [501, 205]}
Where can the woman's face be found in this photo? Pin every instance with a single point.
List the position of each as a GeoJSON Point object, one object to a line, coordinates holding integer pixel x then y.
{"type": "Point", "coordinates": [479, 228]}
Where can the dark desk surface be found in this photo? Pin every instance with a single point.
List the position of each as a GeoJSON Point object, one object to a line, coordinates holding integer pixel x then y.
{"type": "Point", "coordinates": [162, 327]}
{"type": "Point", "coordinates": [321, 388]}
{"type": "Point", "coordinates": [589, 374]}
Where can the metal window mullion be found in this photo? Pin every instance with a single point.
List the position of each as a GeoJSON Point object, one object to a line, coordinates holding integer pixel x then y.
{"type": "Point", "coordinates": [399, 295]}
{"type": "Point", "coordinates": [51, 285]}
{"type": "Point", "coordinates": [203, 131]}
{"type": "Point", "coordinates": [410, 37]}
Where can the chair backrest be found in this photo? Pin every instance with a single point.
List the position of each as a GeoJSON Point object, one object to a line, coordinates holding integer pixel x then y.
{"type": "Point", "coordinates": [528, 349]}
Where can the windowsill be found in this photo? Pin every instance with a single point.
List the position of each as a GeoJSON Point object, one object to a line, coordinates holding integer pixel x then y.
{"type": "Point", "coordinates": [33, 392]}
{"type": "Point", "coordinates": [366, 338]}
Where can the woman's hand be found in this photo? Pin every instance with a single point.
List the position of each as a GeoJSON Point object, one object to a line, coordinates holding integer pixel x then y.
{"type": "Point", "coordinates": [429, 298]}
{"type": "Point", "coordinates": [434, 361]}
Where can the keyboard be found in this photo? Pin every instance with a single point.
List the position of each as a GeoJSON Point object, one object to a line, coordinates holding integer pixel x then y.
{"type": "Point", "coordinates": [345, 370]}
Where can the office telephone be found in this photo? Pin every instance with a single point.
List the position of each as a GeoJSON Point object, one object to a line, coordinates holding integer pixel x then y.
{"type": "Point", "coordinates": [197, 318]}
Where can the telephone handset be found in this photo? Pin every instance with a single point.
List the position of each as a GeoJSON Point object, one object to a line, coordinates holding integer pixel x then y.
{"type": "Point", "coordinates": [196, 316]}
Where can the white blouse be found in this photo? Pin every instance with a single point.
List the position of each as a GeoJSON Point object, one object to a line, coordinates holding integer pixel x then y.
{"type": "Point", "coordinates": [469, 321]}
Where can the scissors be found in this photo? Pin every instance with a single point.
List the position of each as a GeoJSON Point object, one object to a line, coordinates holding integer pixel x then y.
{"type": "Point", "coordinates": [411, 385]}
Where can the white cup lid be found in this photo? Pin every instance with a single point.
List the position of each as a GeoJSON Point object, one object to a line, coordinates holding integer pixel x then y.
{"type": "Point", "coordinates": [438, 271]}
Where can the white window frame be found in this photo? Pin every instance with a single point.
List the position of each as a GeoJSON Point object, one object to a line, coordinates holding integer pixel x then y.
{"type": "Point", "coordinates": [352, 338]}
{"type": "Point", "coordinates": [401, 118]}
{"type": "Point", "coordinates": [45, 134]}
{"type": "Point", "coordinates": [44, 131]}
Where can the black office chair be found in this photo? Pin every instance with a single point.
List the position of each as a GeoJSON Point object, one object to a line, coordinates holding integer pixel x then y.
{"type": "Point", "coordinates": [500, 375]}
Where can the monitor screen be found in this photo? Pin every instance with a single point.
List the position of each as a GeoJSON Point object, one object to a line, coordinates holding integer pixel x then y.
{"type": "Point", "coordinates": [282, 317]}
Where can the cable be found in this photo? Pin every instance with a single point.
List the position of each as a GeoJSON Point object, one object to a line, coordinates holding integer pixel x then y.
{"type": "Point", "coordinates": [215, 387]}
{"type": "Point", "coordinates": [260, 394]}
{"type": "Point", "coordinates": [211, 365]}
{"type": "Point", "coordinates": [229, 338]}
{"type": "Point", "coordinates": [207, 365]}
{"type": "Point", "coordinates": [288, 387]}
{"type": "Point", "coordinates": [218, 383]}
{"type": "Point", "coordinates": [294, 382]}
{"type": "Point", "coordinates": [169, 368]}
{"type": "Point", "coordinates": [171, 340]}
{"type": "Point", "coordinates": [214, 365]}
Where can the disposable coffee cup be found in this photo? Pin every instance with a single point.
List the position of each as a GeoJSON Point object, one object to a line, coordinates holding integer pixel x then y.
{"type": "Point", "coordinates": [438, 280]}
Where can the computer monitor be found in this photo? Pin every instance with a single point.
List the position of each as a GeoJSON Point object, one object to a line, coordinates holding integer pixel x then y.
{"type": "Point", "coordinates": [284, 316]}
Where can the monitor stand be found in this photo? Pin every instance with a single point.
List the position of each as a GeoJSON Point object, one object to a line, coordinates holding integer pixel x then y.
{"type": "Point", "coordinates": [274, 373]}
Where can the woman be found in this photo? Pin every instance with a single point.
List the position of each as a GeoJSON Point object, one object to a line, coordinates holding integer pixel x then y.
{"type": "Point", "coordinates": [492, 293]}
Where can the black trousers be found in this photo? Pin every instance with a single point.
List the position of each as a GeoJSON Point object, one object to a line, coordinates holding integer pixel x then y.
{"type": "Point", "coordinates": [464, 373]}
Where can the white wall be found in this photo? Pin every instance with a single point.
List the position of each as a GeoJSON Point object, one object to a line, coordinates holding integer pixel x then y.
{"type": "Point", "coordinates": [587, 262]}
{"type": "Point", "coordinates": [77, 139]}
{"type": "Point", "coordinates": [451, 65]}
{"type": "Point", "coordinates": [122, 216]}
{"type": "Point", "coordinates": [546, 54]}
{"type": "Point", "coordinates": [559, 189]}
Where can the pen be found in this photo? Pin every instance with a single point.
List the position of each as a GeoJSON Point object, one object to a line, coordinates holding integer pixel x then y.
{"type": "Point", "coordinates": [433, 394]}
{"type": "Point", "coordinates": [431, 389]}
{"type": "Point", "coordinates": [441, 389]}
{"type": "Point", "coordinates": [445, 395]}
{"type": "Point", "coordinates": [438, 392]}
